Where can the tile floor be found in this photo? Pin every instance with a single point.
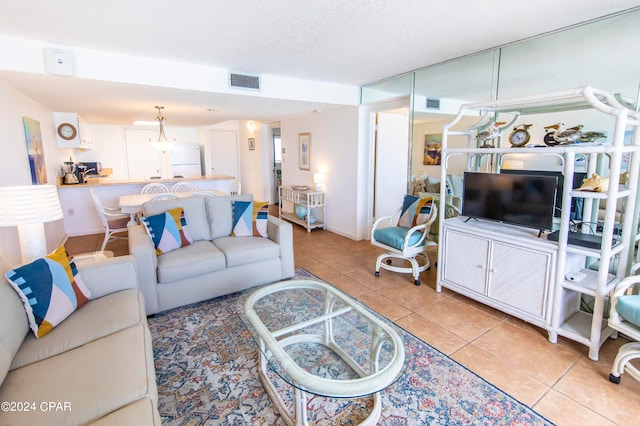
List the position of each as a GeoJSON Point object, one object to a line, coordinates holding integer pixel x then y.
{"type": "Point", "coordinates": [557, 380]}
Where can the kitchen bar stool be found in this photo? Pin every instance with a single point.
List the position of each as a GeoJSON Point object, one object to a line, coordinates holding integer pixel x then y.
{"type": "Point", "coordinates": [154, 188]}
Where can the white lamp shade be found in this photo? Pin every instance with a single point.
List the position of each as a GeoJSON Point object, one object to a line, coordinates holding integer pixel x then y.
{"type": "Point", "coordinates": [163, 146]}
{"type": "Point", "coordinates": [26, 205]}
{"type": "Point", "coordinates": [28, 208]}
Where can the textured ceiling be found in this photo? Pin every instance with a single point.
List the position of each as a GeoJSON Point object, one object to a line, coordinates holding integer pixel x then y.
{"type": "Point", "coordinates": [340, 41]}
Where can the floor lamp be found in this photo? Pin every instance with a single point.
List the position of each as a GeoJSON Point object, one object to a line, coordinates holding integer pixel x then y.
{"type": "Point", "coordinates": [29, 208]}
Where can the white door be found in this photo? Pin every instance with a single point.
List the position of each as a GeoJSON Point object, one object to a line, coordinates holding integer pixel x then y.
{"type": "Point", "coordinates": [143, 160]}
{"type": "Point", "coordinates": [223, 155]}
{"type": "Point", "coordinates": [391, 170]}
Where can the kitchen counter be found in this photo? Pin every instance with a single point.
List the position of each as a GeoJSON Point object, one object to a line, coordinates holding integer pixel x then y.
{"type": "Point", "coordinates": [92, 182]}
{"type": "Point", "coordinates": [79, 213]}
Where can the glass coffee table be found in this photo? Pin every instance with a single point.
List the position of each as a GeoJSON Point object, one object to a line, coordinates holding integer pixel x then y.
{"type": "Point", "coordinates": [320, 341]}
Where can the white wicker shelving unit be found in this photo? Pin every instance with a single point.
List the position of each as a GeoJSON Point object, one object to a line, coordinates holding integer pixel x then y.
{"type": "Point", "coordinates": [605, 266]}
{"type": "Point", "coordinates": [312, 203]}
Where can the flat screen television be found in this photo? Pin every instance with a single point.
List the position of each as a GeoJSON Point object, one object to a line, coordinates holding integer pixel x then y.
{"type": "Point", "coordinates": [578, 177]}
{"type": "Point", "coordinates": [525, 200]}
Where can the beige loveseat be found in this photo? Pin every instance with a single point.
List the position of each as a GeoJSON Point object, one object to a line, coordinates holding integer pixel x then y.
{"type": "Point", "coordinates": [96, 367]}
{"type": "Point", "coordinates": [215, 263]}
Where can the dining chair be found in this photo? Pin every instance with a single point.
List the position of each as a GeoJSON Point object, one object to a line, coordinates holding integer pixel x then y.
{"type": "Point", "coordinates": [164, 197]}
{"type": "Point", "coordinates": [114, 221]}
{"type": "Point", "coordinates": [183, 187]}
{"type": "Point", "coordinates": [234, 187]}
{"type": "Point", "coordinates": [154, 188]}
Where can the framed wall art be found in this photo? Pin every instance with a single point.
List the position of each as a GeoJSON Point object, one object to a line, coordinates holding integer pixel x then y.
{"type": "Point", "coordinates": [304, 140]}
{"type": "Point", "coordinates": [432, 149]}
{"type": "Point", "coordinates": [252, 144]}
{"type": "Point", "coordinates": [34, 150]}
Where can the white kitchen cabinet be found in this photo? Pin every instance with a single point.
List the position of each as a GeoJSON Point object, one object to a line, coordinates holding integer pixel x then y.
{"type": "Point", "coordinates": [504, 267]}
{"type": "Point", "coordinates": [72, 131]}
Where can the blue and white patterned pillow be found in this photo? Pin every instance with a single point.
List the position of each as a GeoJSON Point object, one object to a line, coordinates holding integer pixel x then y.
{"type": "Point", "coordinates": [250, 218]}
{"type": "Point", "coordinates": [168, 230]}
{"type": "Point", "coordinates": [415, 211]}
{"type": "Point", "coordinates": [51, 289]}
{"type": "Point", "coordinates": [242, 218]}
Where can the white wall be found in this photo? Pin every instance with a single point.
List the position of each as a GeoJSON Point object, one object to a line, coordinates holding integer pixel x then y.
{"type": "Point", "coordinates": [252, 162]}
{"type": "Point", "coordinates": [14, 163]}
{"type": "Point", "coordinates": [334, 153]}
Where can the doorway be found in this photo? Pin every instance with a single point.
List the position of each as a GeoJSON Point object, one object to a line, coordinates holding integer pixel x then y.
{"type": "Point", "coordinates": [391, 141]}
{"type": "Point", "coordinates": [390, 138]}
{"type": "Point", "coordinates": [277, 164]}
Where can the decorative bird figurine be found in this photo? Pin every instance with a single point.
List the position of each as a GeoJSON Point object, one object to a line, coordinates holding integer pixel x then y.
{"type": "Point", "coordinates": [549, 132]}
{"type": "Point", "coordinates": [490, 134]}
{"type": "Point", "coordinates": [555, 135]}
{"type": "Point", "coordinates": [570, 135]}
{"type": "Point", "coordinates": [591, 136]}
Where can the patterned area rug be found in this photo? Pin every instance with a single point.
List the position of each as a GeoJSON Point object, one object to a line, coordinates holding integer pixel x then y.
{"type": "Point", "coordinates": [207, 374]}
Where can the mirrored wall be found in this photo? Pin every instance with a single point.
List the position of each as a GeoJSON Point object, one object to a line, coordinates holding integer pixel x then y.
{"type": "Point", "coordinates": [602, 53]}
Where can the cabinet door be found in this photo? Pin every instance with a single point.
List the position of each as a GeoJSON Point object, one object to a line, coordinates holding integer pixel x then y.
{"type": "Point", "coordinates": [518, 277]}
{"type": "Point", "coordinates": [465, 260]}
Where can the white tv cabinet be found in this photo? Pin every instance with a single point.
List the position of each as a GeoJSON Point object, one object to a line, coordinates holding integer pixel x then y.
{"type": "Point", "coordinates": [506, 267]}
{"type": "Point", "coordinates": [556, 300]}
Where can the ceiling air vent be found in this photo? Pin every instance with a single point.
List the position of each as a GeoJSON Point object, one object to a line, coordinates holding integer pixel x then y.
{"type": "Point", "coordinates": [244, 81]}
{"type": "Point", "coordinates": [433, 103]}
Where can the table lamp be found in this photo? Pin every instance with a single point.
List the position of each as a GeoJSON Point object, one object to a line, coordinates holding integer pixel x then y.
{"type": "Point", "coordinates": [28, 208]}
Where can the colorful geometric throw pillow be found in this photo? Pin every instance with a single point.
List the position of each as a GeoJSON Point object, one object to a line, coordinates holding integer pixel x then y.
{"type": "Point", "coordinates": [415, 211]}
{"type": "Point", "coordinates": [242, 218]}
{"type": "Point", "coordinates": [168, 230]}
{"type": "Point", "coordinates": [260, 218]}
{"type": "Point", "coordinates": [250, 218]}
{"type": "Point", "coordinates": [51, 289]}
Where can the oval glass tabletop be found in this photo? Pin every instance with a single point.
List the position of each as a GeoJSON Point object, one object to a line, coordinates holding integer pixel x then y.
{"type": "Point", "coordinates": [321, 341]}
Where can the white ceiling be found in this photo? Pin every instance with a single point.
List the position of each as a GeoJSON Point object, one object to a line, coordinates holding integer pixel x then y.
{"type": "Point", "coordinates": [339, 41]}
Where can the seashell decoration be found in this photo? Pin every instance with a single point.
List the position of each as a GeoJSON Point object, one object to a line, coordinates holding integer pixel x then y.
{"type": "Point", "coordinates": [595, 183]}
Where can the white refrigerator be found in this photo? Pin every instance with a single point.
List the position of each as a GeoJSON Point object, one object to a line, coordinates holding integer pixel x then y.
{"type": "Point", "coordinates": [185, 160]}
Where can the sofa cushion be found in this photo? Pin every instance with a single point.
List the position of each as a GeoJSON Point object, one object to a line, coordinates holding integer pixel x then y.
{"type": "Point", "coordinates": [394, 236]}
{"type": "Point", "coordinates": [93, 380]}
{"type": "Point", "coordinates": [199, 258]}
{"type": "Point", "coordinates": [100, 317]}
{"type": "Point", "coordinates": [629, 308]}
{"type": "Point", "coordinates": [194, 213]}
{"type": "Point", "coordinates": [14, 325]}
{"type": "Point", "coordinates": [168, 231]}
{"type": "Point", "coordinates": [50, 288]}
{"type": "Point", "coordinates": [141, 412]}
{"type": "Point", "coordinates": [220, 213]}
{"type": "Point", "coordinates": [243, 250]}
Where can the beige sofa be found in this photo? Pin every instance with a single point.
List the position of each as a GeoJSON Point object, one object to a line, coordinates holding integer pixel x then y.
{"type": "Point", "coordinates": [96, 367]}
{"type": "Point", "coordinates": [216, 263]}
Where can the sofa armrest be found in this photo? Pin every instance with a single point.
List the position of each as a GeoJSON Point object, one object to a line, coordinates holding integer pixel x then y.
{"type": "Point", "coordinates": [142, 249]}
{"type": "Point", "coordinates": [281, 232]}
{"type": "Point", "coordinates": [107, 276]}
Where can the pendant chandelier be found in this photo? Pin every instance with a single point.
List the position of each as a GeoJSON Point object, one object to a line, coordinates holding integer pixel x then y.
{"type": "Point", "coordinates": [162, 144]}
